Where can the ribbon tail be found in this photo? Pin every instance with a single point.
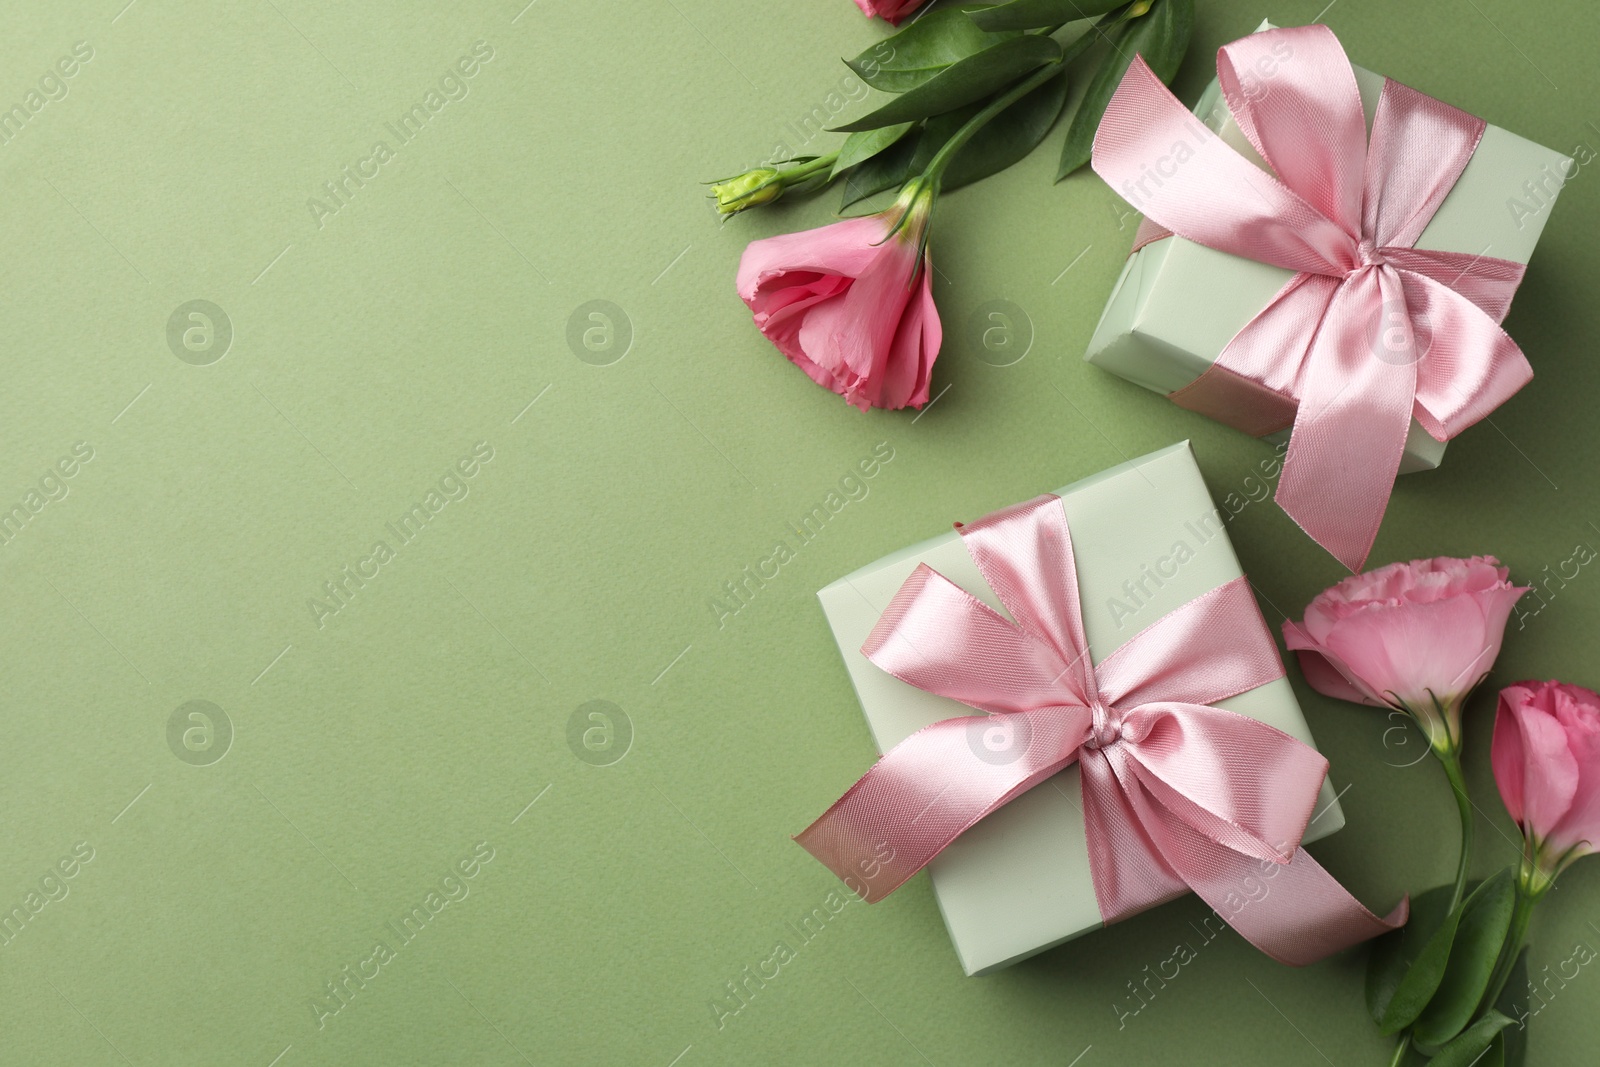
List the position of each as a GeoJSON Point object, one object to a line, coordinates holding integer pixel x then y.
{"type": "Point", "coordinates": [1350, 430]}
{"type": "Point", "coordinates": [1296, 912]}
{"type": "Point", "coordinates": [931, 787]}
{"type": "Point", "coordinates": [1149, 232]}
{"type": "Point", "coordinates": [1130, 874]}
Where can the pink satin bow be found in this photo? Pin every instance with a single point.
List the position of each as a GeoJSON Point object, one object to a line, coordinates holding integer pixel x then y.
{"type": "Point", "coordinates": [1174, 793]}
{"type": "Point", "coordinates": [1371, 331]}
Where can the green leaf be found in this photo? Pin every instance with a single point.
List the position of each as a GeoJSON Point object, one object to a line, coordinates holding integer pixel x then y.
{"type": "Point", "coordinates": [859, 147]}
{"type": "Point", "coordinates": [1421, 979]}
{"type": "Point", "coordinates": [963, 82]}
{"type": "Point", "coordinates": [1079, 143]}
{"type": "Point", "coordinates": [1031, 14]}
{"type": "Point", "coordinates": [888, 169]}
{"type": "Point", "coordinates": [1009, 136]}
{"type": "Point", "coordinates": [1515, 1038]}
{"type": "Point", "coordinates": [924, 48]}
{"type": "Point", "coordinates": [1480, 934]}
{"type": "Point", "coordinates": [1386, 965]}
{"type": "Point", "coordinates": [1391, 954]}
{"type": "Point", "coordinates": [1162, 37]}
{"type": "Point", "coordinates": [910, 155]}
{"type": "Point", "coordinates": [1471, 1043]}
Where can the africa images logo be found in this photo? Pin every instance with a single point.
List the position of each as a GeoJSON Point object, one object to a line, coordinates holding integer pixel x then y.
{"type": "Point", "coordinates": [339, 591]}
{"type": "Point", "coordinates": [454, 85]}
{"type": "Point", "coordinates": [350, 981]}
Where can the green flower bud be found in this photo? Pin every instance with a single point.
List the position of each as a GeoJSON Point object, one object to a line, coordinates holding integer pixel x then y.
{"type": "Point", "coordinates": [750, 189]}
{"type": "Point", "coordinates": [763, 185]}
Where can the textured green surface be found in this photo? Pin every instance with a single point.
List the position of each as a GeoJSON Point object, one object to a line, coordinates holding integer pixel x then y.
{"type": "Point", "coordinates": [370, 354]}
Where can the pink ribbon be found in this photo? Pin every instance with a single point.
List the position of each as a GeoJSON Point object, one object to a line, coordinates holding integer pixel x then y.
{"type": "Point", "coordinates": [1371, 331]}
{"type": "Point", "coordinates": [1174, 793]}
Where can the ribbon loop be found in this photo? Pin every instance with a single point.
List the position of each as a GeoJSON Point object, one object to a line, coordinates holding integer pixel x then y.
{"type": "Point", "coordinates": [1343, 207]}
{"type": "Point", "coordinates": [921, 640]}
{"type": "Point", "coordinates": [1175, 793]}
{"type": "Point", "coordinates": [1299, 106]}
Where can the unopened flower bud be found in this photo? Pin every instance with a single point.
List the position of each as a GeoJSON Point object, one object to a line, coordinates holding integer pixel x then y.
{"type": "Point", "coordinates": [1546, 759]}
{"type": "Point", "coordinates": [750, 189]}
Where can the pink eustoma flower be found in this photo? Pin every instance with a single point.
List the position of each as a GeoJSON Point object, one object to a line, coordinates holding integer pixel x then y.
{"type": "Point", "coordinates": [1546, 758]}
{"type": "Point", "coordinates": [891, 11]}
{"type": "Point", "coordinates": [851, 303]}
{"type": "Point", "coordinates": [1418, 636]}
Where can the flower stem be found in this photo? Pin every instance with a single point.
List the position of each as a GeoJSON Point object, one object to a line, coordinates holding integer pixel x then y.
{"type": "Point", "coordinates": [795, 175]}
{"type": "Point", "coordinates": [1451, 759]}
{"type": "Point", "coordinates": [1069, 52]}
{"type": "Point", "coordinates": [1400, 1050]}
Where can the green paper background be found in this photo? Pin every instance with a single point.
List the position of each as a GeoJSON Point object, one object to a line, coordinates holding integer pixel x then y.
{"type": "Point", "coordinates": [372, 352]}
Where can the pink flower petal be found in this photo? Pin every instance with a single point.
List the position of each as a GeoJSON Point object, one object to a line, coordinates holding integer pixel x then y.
{"type": "Point", "coordinates": [915, 346]}
{"type": "Point", "coordinates": [781, 314]}
{"type": "Point", "coordinates": [1323, 676]}
{"type": "Point", "coordinates": [1507, 755]}
{"type": "Point", "coordinates": [1322, 673]}
{"type": "Point", "coordinates": [844, 248]}
{"type": "Point", "coordinates": [1442, 646]}
{"type": "Point", "coordinates": [1578, 711]}
{"type": "Point", "coordinates": [891, 11]}
{"type": "Point", "coordinates": [1550, 775]}
{"type": "Point", "coordinates": [853, 336]}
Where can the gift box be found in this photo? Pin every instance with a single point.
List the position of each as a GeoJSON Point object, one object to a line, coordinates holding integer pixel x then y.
{"type": "Point", "coordinates": [1177, 304]}
{"type": "Point", "coordinates": [1147, 540]}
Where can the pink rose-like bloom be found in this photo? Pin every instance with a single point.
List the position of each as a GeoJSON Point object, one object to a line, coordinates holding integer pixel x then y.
{"type": "Point", "coordinates": [890, 10]}
{"type": "Point", "coordinates": [1546, 757]}
{"type": "Point", "coordinates": [1419, 634]}
{"type": "Point", "coordinates": [852, 304]}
